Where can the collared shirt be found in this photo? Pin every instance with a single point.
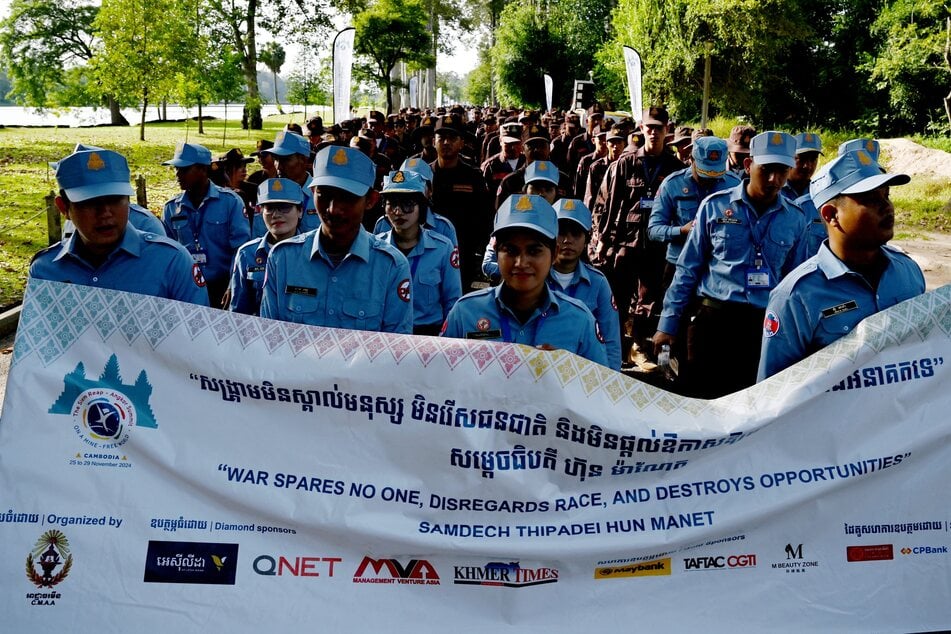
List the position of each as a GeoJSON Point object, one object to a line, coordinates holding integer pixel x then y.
{"type": "Point", "coordinates": [212, 232]}
{"type": "Point", "coordinates": [720, 253]}
{"type": "Point", "coordinates": [143, 263]}
{"type": "Point", "coordinates": [370, 289]}
{"type": "Point", "coordinates": [247, 276]}
{"type": "Point", "coordinates": [823, 300]}
{"type": "Point", "coordinates": [561, 322]}
{"type": "Point", "coordinates": [309, 219]}
{"type": "Point", "coordinates": [677, 202]}
{"type": "Point", "coordinates": [589, 286]}
{"type": "Point", "coordinates": [816, 231]}
{"type": "Point", "coordinates": [434, 222]}
{"type": "Point", "coordinates": [434, 265]}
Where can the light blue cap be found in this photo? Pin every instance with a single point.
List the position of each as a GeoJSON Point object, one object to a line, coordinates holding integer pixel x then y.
{"type": "Point", "coordinates": [401, 182]}
{"type": "Point", "coordinates": [808, 142]}
{"type": "Point", "coordinates": [280, 190]}
{"type": "Point", "coordinates": [80, 147]}
{"type": "Point", "coordinates": [93, 173]}
{"type": "Point", "coordinates": [287, 143]}
{"type": "Point", "coordinates": [871, 147]}
{"type": "Point", "coordinates": [419, 166]}
{"type": "Point", "coordinates": [528, 212]}
{"type": "Point", "coordinates": [187, 154]}
{"type": "Point", "coordinates": [773, 147]}
{"type": "Point", "coordinates": [573, 209]}
{"type": "Point", "coordinates": [541, 171]}
{"type": "Point", "coordinates": [344, 167]}
{"type": "Point", "coordinates": [852, 173]}
{"type": "Point", "coordinates": [709, 156]}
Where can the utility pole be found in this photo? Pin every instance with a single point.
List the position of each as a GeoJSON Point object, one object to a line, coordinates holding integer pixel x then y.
{"type": "Point", "coordinates": [708, 49]}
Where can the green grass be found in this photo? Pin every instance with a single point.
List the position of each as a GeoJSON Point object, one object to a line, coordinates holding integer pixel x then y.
{"type": "Point", "coordinates": [25, 177]}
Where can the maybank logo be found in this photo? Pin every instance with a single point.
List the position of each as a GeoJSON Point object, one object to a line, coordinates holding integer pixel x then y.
{"type": "Point", "coordinates": [656, 568]}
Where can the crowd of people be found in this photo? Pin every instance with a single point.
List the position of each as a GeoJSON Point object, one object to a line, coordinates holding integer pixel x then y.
{"type": "Point", "coordinates": [621, 241]}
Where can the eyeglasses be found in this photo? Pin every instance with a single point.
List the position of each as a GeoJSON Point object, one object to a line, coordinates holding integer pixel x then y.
{"type": "Point", "coordinates": [406, 206]}
{"type": "Point", "coordinates": [278, 208]}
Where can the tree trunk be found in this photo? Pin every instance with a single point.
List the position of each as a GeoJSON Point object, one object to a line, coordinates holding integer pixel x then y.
{"type": "Point", "coordinates": [201, 120]}
{"type": "Point", "coordinates": [947, 60]}
{"type": "Point", "coordinates": [276, 102]}
{"type": "Point", "coordinates": [115, 113]}
{"type": "Point", "coordinates": [145, 105]}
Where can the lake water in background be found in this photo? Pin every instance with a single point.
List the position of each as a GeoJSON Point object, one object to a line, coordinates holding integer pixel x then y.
{"type": "Point", "coordinates": [85, 117]}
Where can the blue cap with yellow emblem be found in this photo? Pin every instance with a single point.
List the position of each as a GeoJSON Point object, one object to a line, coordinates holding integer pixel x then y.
{"type": "Point", "coordinates": [400, 182]}
{"type": "Point", "coordinates": [870, 146]}
{"type": "Point", "coordinates": [852, 173]}
{"type": "Point", "coordinates": [574, 210]}
{"type": "Point", "coordinates": [527, 211]}
{"type": "Point", "coordinates": [93, 173]}
{"type": "Point", "coordinates": [541, 171]}
{"type": "Point", "coordinates": [280, 190]}
{"type": "Point", "coordinates": [287, 143]}
{"type": "Point", "coordinates": [709, 156]}
{"type": "Point", "coordinates": [346, 168]}
{"type": "Point", "coordinates": [419, 166]}
{"type": "Point", "coordinates": [773, 147]}
{"type": "Point", "coordinates": [808, 142]}
{"type": "Point", "coordinates": [187, 154]}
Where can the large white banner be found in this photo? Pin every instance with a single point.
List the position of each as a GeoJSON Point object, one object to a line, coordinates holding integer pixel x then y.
{"type": "Point", "coordinates": [167, 467]}
{"type": "Point", "coordinates": [632, 64]}
{"type": "Point", "coordinates": [342, 72]}
{"type": "Point", "coordinates": [549, 90]}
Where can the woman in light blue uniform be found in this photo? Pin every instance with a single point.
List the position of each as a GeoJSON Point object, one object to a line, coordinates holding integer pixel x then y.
{"type": "Point", "coordinates": [522, 309]}
{"type": "Point", "coordinates": [280, 203]}
{"type": "Point", "coordinates": [582, 281]}
{"type": "Point", "coordinates": [433, 260]}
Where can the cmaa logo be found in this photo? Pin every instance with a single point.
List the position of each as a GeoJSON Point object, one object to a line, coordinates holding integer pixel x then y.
{"type": "Point", "coordinates": [770, 326]}
{"type": "Point", "coordinates": [415, 572]}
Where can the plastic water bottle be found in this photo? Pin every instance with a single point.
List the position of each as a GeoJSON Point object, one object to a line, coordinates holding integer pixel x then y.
{"type": "Point", "coordinates": [663, 360]}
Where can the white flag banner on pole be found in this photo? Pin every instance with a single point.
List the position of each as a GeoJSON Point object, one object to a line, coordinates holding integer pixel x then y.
{"type": "Point", "coordinates": [632, 63]}
{"type": "Point", "coordinates": [342, 70]}
{"type": "Point", "coordinates": [439, 96]}
{"type": "Point", "coordinates": [549, 90]}
{"type": "Point", "coordinates": [173, 466]}
{"type": "Point", "coordinates": [414, 91]}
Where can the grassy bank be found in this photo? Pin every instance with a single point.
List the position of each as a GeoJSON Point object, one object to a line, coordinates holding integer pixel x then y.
{"type": "Point", "coordinates": [25, 178]}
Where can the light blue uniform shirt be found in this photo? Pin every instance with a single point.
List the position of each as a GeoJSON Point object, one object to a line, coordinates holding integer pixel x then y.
{"type": "Point", "coordinates": [718, 257]}
{"type": "Point", "coordinates": [247, 276]}
{"type": "Point", "coordinates": [816, 230]}
{"type": "Point", "coordinates": [676, 204]}
{"type": "Point", "coordinates": [823, 300]}
{"type": "Point", "coordinates": [434, 222]}
{"type": "Point", "coordinates": [590, 287]}
{"type": "Point", "coordinates": [561, 322]}
{"type": "Point", "coordinates": [434, 268]}
{"type": "Point", "coordinates": [143, 263]}
{"type": "Point", "coordinates": [309, 219]}
{"type": "Point", "coordinates": [369, 290]}
{"type": "Point", "coordinates": [212, 232]}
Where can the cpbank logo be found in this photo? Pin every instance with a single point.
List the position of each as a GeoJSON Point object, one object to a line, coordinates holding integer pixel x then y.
{"type": "Point", "coordinates": [105, 410]}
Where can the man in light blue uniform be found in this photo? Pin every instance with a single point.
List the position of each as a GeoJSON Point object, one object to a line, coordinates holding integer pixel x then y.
{"type": "Point", "coordinates": [854, 275]}
{"type": "Point", "coordinates": [744, 241]}
{"type": "Point", "coordinates": [582, 281]}
{"type": "Point", "coordinates": [523, 309]}
{"type": "Point", "coordinates": [280, 200]}
{"type": "Point", "coordinates": [679, 197]}
{"type": "Point", "coordinates": [205, 219]}
{"type": "Point", "coordinates": [105, 251]}
{"type": "Point", "coordinates": [139, 217]}
{"type": "Point", "coordinates": [434, 222]}
{"type": "Point", "coordinates": [340, 276]}
{"type": "Point", "coordinates": [808, 150]}
{"type": "Point", "coordinates": [292, 153]}
{"type": "Point", "coordinates": [433, 260]}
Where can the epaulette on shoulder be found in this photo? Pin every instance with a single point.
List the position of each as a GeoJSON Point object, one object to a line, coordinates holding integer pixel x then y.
{"type": "Point", "coordinates": [42, 252]}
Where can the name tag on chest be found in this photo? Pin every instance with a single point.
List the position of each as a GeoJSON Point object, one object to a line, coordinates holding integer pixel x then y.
{"type": "Point", "coordinates": [300, 290]}
{"type": "Point", "coordinates": [838, 309]}
{"type": "Point", "coordinates": [484, 334]}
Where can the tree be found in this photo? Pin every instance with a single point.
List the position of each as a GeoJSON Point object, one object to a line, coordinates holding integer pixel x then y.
{"type": "Point", "coordinates": [389, 31]}
{"type": "Point", "coordinates": [144, 44]}
{"type": "Point", "coordinates": [307, 84]}
{"type": "Point", "coordinates": [45, 45]}
{"type": "Point", "coordinates": [273, 56]}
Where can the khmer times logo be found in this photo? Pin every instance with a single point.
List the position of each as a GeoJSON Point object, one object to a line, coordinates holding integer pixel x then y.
{"type": "Point", "coordinates": [105, 410]}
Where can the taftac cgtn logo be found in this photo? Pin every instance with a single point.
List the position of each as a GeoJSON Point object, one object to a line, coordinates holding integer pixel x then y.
{"type": "Point", "coordinates": [48, 564]}
{"type": "Point", "coordinates": [719, 562]}
{"type": "Point", "coordinates": [504, 574]}
{"type": "Point", "coordinates": [191, 562]}
{"type": "Point", "coordinates": [414, 571]}
{"type": "Point", "coordinates": [105, 410]}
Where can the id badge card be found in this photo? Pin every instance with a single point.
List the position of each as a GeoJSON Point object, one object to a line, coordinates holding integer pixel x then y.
{"type": "Point", "coordinates": [647, 203]}
{"type": "Point", "coordinates": [198, 255]}
{"type": "Point", "coordinates": [757, 276]}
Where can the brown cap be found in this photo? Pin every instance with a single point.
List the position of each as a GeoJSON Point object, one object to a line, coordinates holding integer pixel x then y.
{"type": "Point", "coordinates": [234, 156]}
{"type": "Point", "coordinates": [655, 115]}
{"type": "Point", "coordinates": [740, 137]}
{"type": "Point", "coordinates": [683, 136]}
{"type": "Point", "coordinates": [262, 144]}
{"type": "Point", "coordinates": [315, 127]}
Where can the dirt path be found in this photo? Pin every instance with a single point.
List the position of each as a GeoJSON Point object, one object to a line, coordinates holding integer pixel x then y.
{"type": "Point", "coordinates": [932, 252]}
